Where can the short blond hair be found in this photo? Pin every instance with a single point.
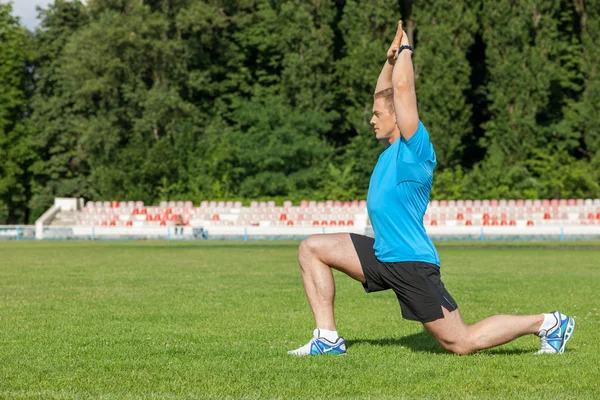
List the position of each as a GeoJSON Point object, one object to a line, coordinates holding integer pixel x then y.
{"type": "Point", "coordinates": [388, 96]}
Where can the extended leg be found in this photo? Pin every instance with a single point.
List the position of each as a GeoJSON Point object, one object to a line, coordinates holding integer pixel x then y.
{"type": "Point", "coordinates": [454, 335]}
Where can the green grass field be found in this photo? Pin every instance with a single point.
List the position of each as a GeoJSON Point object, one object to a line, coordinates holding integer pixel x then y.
{"type": "Point", "coordinates": [212, 320]}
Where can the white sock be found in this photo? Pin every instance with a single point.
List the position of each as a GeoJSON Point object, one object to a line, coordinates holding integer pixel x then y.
{"type": "Point", "coordinates": [549, 323]}
{"type": "Point", "coordinates": [332, 336]}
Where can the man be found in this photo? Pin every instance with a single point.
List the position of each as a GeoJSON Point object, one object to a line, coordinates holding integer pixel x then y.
{"type": "Point", "coordinates": [402, 257]}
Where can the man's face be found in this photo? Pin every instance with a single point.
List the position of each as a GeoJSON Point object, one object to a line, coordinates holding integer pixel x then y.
{"type": "Point", "coordinates": [383, 121]}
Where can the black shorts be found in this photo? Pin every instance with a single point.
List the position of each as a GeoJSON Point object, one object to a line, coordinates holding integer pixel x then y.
{"type": "Point", "coordinates": [417, 285]}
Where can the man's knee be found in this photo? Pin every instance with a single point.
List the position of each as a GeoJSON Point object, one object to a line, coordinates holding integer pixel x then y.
{"type": "Point", "coordinates": [459, 346]}
{"type": "Point", "coordinates": [308, 249]}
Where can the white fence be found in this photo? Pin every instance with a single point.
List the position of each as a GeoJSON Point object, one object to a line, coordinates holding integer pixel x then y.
{"type": "Point", "coordinates": [17, 232]}
{"type": "Point", "coordinates": [77, 232]}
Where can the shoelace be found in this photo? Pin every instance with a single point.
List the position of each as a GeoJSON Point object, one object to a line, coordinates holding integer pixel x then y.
{"type": "Point", "coordinates": [545, 345]}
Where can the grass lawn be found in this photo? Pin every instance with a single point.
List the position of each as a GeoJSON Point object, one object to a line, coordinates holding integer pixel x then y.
{"type": "Point", "coordinates": [212, 320]}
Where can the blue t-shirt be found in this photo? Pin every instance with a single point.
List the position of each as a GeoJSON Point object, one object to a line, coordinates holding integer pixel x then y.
{"type": "Point", "coordinates": [398, 197]}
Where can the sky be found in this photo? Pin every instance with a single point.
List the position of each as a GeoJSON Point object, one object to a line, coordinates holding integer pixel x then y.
{"type": "Point", "coordinates": [25, 9]}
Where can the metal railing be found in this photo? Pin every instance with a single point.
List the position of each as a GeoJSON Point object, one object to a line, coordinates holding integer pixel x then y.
{"type": "Point", "coordinates": [17, 232]}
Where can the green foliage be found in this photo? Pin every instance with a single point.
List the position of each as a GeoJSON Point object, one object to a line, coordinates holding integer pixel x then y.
{"type": "Point", "coordinates": [587, 109]}
{"type": "Point", "coordinates": [445, 34]}
{"type": "Point", "coordinates": [237, 99]}
{"type": "Point", "coordinates": [61, 168]}
{"type": "Point", "coordinates": [15, 154]}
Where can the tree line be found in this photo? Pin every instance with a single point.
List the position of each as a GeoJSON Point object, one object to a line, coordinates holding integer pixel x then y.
{"type": "Point", "coordinates": [261, 99]}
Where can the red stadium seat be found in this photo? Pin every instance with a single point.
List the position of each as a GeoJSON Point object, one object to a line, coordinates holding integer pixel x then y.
{"type": "Point", "coordinates": [129, 223]}
{"type": "Point", "coordinates": [332, 223]}
{"type": "Point", "coordinates": [215, 217]}
{"type": "Point", "coordinates": [290, 223]}
{"type": "Point", "coordinates": [469, 223]}
{"type": "Point", "coordinates": [350, 223]}
{"type": "Point", "coordinates": [323, 223]}
{"type": "Point", "coordinates": [283, 217]}
{"type": "Point", "coordinates": [460, 217]}
{"type": "Point", "coordinates": [512, 223]}
{"type": "Point", "coordinates": [547, 216]}
{"type": "Point", "coordinates": [342, 223]}
{"type": "Point", "coordinates": [315, 223]}
{"type": "Point", "coordinates": [529, 223]}
{"type": "Point", "coordinates": [433, 222]}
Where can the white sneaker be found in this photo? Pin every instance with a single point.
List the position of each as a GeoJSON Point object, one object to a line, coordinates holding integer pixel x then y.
{"type": "Point", "coordinates": [555, 338]}
{"type": "Point", "coordinates": [319, 345]}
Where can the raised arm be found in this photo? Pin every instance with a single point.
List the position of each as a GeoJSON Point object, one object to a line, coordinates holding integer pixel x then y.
{"type": "Point", "coordinates": [405, 97]}
{"type": "Point", "coordinates": [384, 81]}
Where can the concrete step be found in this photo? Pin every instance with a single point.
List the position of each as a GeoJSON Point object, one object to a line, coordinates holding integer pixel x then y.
{"type": "Point", "coordinates": [64, 218]}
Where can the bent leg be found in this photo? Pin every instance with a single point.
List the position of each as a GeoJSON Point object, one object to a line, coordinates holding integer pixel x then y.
{"type": "Point", "coordinates": [317, 255]}
{"type": "Point", "coordinates": [454, 335]}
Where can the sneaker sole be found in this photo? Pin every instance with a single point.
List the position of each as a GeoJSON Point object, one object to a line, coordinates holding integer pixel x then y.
{"type": "Point", "coordinates": [568, 333]}
{"type": "Point", "coordinates": [317, 354]}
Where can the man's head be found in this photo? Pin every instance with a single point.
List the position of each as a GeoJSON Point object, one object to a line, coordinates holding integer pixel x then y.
{"type": "Point", "coordinates": [384, 116]}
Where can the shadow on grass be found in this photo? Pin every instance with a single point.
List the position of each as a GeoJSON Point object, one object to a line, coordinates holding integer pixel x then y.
{"type": "Point", "coordinates": [422, 342]}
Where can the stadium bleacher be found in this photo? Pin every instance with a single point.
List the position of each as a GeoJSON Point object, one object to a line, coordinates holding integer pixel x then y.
{"type": "Point", "coordinates": [221, 213]}
{"type": "Point", "coordinates": [520, 213]}
{"type": "Point", "coordinates": [513, 212]}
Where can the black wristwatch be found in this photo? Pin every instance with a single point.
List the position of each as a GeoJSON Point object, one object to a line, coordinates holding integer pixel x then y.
{"type": "Point", "coordinates": [412, 51]}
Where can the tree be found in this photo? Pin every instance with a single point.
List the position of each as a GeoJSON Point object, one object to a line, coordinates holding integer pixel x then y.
{"type": "Point", "coordinates": [15, 154]}
{"type": "Point", "coordinates": [366, 30]}
{"type": "Point", "coordinates": [585, 112]}
{"type": "Point", "coordinates": [61, 166]}
{"type": "Point", "coordinates": [445, 33]}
